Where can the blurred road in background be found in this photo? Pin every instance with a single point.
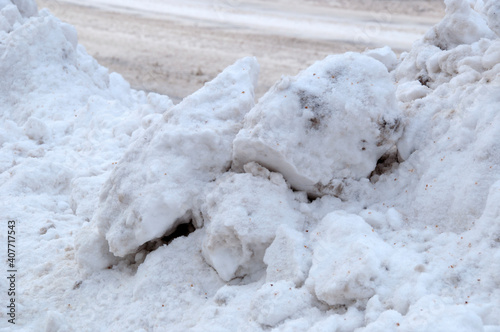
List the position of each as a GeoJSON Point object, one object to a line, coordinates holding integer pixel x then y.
{"type": "Point", "coordinates": [174, 47]}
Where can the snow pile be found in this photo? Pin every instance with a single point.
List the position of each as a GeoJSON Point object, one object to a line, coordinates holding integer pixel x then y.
{"type": "Point", "coordinates": [361, 194]}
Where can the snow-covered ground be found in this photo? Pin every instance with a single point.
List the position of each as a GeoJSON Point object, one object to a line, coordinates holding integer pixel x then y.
{"type": "Point", "coordinates": [362, 194]}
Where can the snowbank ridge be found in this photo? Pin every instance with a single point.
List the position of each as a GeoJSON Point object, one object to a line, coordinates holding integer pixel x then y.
{"type": "Point", "coordinates": [359, 195]}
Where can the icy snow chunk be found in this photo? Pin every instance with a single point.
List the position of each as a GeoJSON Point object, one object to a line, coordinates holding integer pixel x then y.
{"type": "Point", "coordinates": [273, 303]}
{"type": "Point", "coordinates": [242, 215]}
{"type": "Point", "coordinates": [348, 260]}
{"type": "Point", "coordinates": [461, 25]}
{"type": "Point", "coordinates": [287, 258]}
{"type": "Point", "coordinates": [384, 55]}
{"type": "Point", "coordinates": [332, 121]}
{"type": "Point", "coordinates": [158, 182]}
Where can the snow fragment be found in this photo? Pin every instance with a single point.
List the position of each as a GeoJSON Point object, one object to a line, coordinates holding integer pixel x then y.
{"type": "Point", "coordinates": [385, 55]}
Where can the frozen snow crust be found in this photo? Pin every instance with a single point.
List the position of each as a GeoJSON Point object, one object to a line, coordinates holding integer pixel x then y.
{"type": "Point", "coordinates": [360, 195]}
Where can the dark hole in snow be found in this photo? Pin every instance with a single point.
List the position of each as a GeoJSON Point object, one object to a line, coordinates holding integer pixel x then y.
{"type": "Point", "coordinates": [311, 197]}
{"type": "Point", "coordinates": [385, 163]}
{"type": "Point", "coordinates": [181, 230]}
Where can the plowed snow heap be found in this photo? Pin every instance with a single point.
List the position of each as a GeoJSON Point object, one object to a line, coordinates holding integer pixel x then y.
{"type": "Point", "coordinates": [361, 193]}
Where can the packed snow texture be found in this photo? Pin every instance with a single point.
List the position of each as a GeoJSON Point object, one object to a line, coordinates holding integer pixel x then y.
{"type": "Point", "coordinates": [360, 195]}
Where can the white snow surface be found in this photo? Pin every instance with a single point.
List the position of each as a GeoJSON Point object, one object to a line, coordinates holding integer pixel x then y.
{"type": "Point", "coordinates": [376, 208]}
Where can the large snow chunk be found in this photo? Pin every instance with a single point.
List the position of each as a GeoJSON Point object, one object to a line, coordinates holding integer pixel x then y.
{"type": "Point", "coordinates": [242, 215]}
{"type": "Point", "coordinates": [461, 25]}
{"type": "Point", "coordinates": [332, 121]}
{"type": "Point", "coordinates": [157, 183]}
{"type": "Point", "coordinates": [385, 55]}
{"type": "Point", "coordinates": [348, 260]}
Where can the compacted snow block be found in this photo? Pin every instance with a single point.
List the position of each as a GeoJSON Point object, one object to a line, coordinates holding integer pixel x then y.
{"type": "Point", "coordinates": [242, 215]}
{"type": "Point", "coordinates": [348, 260]}
{"type": "Point", "coordinates": [156, 185]}
{"type": "Point", "coordinates": [332, 121]}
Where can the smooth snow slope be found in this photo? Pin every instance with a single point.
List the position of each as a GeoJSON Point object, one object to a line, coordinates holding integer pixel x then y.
{"type": "Point", "coordinates": [297, 226]}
